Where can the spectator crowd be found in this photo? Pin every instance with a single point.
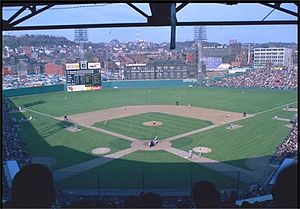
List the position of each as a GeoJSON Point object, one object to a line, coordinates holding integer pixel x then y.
{"type": "Point", "coordinates": [12, 144]}
{"type": "Point", "coordinates": [261, 78]}
{"type": "Point", "coordinates": [289, 147]}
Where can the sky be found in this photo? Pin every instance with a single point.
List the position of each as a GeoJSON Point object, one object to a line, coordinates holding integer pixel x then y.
{"type": "Point", "coordinates": [120, 12]}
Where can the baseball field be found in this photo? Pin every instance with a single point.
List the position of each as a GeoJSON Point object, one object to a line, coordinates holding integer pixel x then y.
{"type": "Point", "coordinates": [104, 142]}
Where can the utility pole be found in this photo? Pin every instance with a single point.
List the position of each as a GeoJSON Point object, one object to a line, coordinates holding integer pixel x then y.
{"type": "Point", "coordinates": [80, 36]}
{"type": "Point", "coordinates": [199, 37]}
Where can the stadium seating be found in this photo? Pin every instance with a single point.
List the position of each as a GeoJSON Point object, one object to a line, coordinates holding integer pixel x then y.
{"type": "Point", "coordinates": [260, 78]}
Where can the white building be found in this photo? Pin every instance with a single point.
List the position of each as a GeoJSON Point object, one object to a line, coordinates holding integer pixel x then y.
{"type": "Point", "coordinates": [276, 56]}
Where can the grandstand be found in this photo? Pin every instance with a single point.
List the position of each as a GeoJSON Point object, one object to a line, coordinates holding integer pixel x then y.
{"type": "Point", "coordinates": [261, 78]}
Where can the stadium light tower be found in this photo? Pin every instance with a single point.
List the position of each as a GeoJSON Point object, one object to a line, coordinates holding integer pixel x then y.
{"type": "Point", "coordinates": [199, 37]}
{"type": "Point", "coordinates": [80, 36]}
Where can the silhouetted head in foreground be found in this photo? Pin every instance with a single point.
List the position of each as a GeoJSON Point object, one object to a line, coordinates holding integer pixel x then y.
{"type": "Point", "coordinates": [33, 187]}
{"type": "Point", "coordinates": [285, 191]}
{"type": "Point", "coordinates": [206, 195]}
{"type": "Point", "coordinates": [131, 202]}
{"type": "Point", "coordinates": [150, 200]}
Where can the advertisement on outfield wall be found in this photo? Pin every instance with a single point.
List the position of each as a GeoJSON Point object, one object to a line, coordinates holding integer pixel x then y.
{"type": "Point", "coordinates": [82, 88]}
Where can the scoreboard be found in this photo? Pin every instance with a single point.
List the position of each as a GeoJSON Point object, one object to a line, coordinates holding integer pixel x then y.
{"type": "Point", "coordinates": [83, 76]}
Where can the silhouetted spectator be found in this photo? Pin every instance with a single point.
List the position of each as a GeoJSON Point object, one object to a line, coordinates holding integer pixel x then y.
{"type": "Point", "coordinates": [131, 202]}
{"type": "Point", "coordinates": [84, 203]}
{"type": "Point", "coordinates": [150, 200]}
{"type": "Point", "coordinates": [32, 187]}
{"type": "Point", "coordinates": [225, 198]}
{"type": "Point", "coordinates": [206, 195]}
{"type": "Point", "coordinates": [230, 203]}
{"type": "Point", "coordinates": [285, 191]}
{"type": "Point", "coordinates": [180, 204]}
{"type": "Point", "coordinates": [246, 204]}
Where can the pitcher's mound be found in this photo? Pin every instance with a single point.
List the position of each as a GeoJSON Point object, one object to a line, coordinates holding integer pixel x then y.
{"type": "Point", "coordinates": [101, 150]}
{"type": "Point", "coordinates": [152, 123]}
{"type": "Point", "coordinates": [144, 145]}
{"type": "Point", "coordinates": [202, 149]}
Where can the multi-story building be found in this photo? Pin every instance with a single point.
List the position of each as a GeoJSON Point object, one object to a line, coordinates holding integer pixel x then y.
{"type": "Point", "coordinates": [227, 52]}
{"type": "Point", "coordinates": [295, 57]}
{"type": "Point", "coordinates": [160, 70]}
{"type": "Point", "coordinates": [275, 56]}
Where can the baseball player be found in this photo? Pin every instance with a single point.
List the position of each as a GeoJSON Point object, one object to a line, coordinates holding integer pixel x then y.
{"type": "Point", "coordinates": [155, 140]}
{"type": "Point", "coordinates": [190, 153]}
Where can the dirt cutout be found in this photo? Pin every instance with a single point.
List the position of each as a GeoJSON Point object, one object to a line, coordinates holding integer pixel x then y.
{"type": "Point", "coordinates": [202, 149]}
{"type": "Point", "coordinates": [234, 127]}
{"type": "Point", "coordinates": [72, 129]}
{"type": "Point", "coordinates": [101, 150]}
{"type": "Point", "coordinates": [152, 123]}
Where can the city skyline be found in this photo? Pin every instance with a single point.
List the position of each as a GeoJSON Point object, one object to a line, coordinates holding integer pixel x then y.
{"type": "Point", "coordinates": [123, 13]}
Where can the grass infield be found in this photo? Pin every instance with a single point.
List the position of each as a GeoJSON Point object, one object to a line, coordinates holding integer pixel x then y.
{"type": "Point", "coordinates": [171, 125]}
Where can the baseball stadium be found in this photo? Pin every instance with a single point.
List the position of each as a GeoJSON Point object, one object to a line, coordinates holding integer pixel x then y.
{"type": "Point", "coordinates": [160, 135]}
{"type": "Point", "coordinates": [97, 142]}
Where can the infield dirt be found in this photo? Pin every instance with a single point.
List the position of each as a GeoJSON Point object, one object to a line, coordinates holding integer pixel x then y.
{"type": "Point", "coordinates": [218, 117]}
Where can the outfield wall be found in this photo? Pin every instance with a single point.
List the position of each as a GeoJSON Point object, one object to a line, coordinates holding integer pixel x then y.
{"type": "Point", "coordinates": [118, 84]}
{"type": "Point", "coordinates": [33, 90]}
{"type": "Point", "coordinates": [148, 83]}
{"type": "Point", "coordinates": [105, 85]}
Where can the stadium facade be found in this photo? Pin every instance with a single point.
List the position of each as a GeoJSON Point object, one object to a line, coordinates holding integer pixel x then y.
{"type": "Point", "coordinates": [275, 56]}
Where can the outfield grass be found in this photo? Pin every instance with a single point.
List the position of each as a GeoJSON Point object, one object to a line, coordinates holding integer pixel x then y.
{"type": "Point", "coordinates": [45, 136]}
{"type": "Point", "coordinates": [156, 169]}
{"type": "Point", "coordinates": [285, 114]}
{"type": "Point", "coordinates": [251, 101]}
{"type": "Point", "coordinates": [172, 125]}
{"type": "Point", "coordinates": [259, 136]}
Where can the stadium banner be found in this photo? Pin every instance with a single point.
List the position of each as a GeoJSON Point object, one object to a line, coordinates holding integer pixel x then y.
{"type": "Point", "coordinates": [95, 65]}
{"type": "Point", "coordinates": [77, 88]}
{"type": "Point", "coordinates": [96, 87]}
{"type": "Point", "coordinates": [189, 80]}
{"type": "Point", "coordinates": [72, 66]}
{"type": "Point", "coordinates": [82, 88]}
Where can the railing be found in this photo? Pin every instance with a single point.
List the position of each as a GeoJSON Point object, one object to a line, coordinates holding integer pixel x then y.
{"type": "Point", "coordinates": [133, 183]}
